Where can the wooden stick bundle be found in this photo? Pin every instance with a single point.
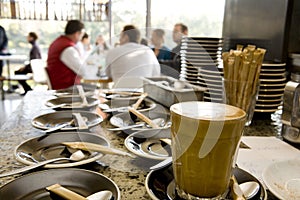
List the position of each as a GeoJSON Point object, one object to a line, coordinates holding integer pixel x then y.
{"type": "Point", "coordinates": [241, 74]}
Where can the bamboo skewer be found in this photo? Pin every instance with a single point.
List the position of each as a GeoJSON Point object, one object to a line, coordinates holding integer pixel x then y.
{"type": "Point", "coordinates": [241, 74]}
{"type": "Point", "coordinates": [143, 117]}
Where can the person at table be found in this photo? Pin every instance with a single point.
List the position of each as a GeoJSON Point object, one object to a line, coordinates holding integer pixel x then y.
{"type": "Point", "coordinates": [34, 53]}
{"type": "Point", "coordinates": [3, 46]}
{"type": "Point", "coordinates": [84, 46]}
{"type": "Point", "coordinates": [101, 44]}
{"type": "Point", "coordinates": [161, 51]}
{"type": "Point", "coordinates": [64, 64]}
{"type": "Point", "coordinates": [100, 48]}
{"type": "Point", "coordinates": [179, 30]}
{"type": "Point", "coordinates": [131, 59]}
{"type": "Point", "coordinates": [144, 41]}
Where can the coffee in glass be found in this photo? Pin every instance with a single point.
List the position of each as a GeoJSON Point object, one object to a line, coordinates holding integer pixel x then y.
{"type": "Point", "coordinates": [205, 138]}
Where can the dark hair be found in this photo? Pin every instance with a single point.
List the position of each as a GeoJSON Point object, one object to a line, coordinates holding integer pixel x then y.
{"type": "Point", "coordinates": [183, 27]}
{"type": "Point", "coordinates": [33, 35]}
{"type": "Point", "coordinates": [159, 32]}
{"type": "Point", "coordinates": [144, 41]}
{"type": "Point", "coordinates": [73, 26]}
{"type": "Point", "coordinates": [85, 36]}
{"type": "Point", "coordinates": [133, 33]}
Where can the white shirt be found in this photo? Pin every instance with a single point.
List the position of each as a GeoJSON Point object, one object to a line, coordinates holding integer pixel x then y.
{"type": "Point", "coordinates": [131, 60]}
{"type": "Point", "coordinates": [71, 58]}
{"type": "Point", "coordinates": [83, 50]}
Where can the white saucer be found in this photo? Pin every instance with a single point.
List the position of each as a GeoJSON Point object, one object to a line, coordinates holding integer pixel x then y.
{"type": "Point", "coordinates": [283, 179]}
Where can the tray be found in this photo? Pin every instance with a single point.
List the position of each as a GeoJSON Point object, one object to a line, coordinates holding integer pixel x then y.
{"type": "Point", "coordinates": [168, 91]}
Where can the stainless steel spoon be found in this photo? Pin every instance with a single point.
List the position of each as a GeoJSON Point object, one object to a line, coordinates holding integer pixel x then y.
{"type": "Point", "coordinates": [102, 195]}
{"type": "Point", "coordinates": [50, 130]}
{"type": "Point", "coordinates": [158, 121]}
{"type": "Point", "coordinates": [250, 189]}
{"type": "Point", "coordinates": [76, 156]}
{"type": "Point", "coordinates": [162, 164]}
{"type": "Point", "coordinates": [58, 106]}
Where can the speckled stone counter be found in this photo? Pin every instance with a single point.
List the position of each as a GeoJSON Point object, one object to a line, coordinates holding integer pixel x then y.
{"type": "Point", "coordinates": [128, 173]}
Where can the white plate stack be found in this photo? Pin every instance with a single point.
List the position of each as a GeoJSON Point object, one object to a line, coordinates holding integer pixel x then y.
{"type": "Point", "coordinates": [272, 83]}
{"type": "Point", "coordinates": [201, 65]}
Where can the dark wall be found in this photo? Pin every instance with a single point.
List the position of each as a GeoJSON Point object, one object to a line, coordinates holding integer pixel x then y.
{"type": "Point", "coordinates": [294, 32]}
{"type": "Point", "coordinates": [260, 22]}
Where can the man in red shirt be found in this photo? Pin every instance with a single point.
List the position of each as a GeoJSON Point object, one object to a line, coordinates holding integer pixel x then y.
{"type": "Point", "coordinates": [64, 64]}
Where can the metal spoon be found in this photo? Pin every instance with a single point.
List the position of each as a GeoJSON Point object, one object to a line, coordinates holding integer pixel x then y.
{"type": "Point", "coordinates": [162, 164]}
{"type": "Point", "coordinates": [106, 108]}
{"type": "Point", "coordinates": [250, 189]}
{"type": "Point", "coordinates": [76, 156]}
{"type": "Point", "coordinates": [126, 127]}
{"type": "Point", "coordinates": [157, 121]}
{"type": "Point", "coordinates": [58, 106]}
{"type": "Point", "coordinates": [102, 195]}
{"type": "Point", "coordinates": [59, 126]}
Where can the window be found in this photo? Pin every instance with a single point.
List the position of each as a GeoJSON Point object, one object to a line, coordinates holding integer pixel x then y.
{"type": "Point", "coordinates": [204, 18]}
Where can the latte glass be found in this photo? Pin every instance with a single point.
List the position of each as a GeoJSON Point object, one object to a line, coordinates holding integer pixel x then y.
{"type": "Point", "coordinates": [205, 138]}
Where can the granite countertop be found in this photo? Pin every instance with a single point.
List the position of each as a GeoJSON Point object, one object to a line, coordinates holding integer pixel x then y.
{"type": "Point", "coordinates": [128, 173]}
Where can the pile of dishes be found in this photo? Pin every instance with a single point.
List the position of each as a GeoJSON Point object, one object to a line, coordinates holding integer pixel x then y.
{"type": "Point", "coordinates": [201, 65]}
{"type": "Point", "coordinates": [272, 83]}
{"type": "Point", "coordinates": [144, 139]}
{"type": "Point", "coordinates": [63, 144]}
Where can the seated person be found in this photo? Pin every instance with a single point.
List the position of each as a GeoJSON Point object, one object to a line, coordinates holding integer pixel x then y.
{"type": "Point", "coordinates": [84, 46]}
{"type": "Point", "coordinates": [3, 46]}
{"type": "Point", "coordinates": [144, 41]}
{"type": "Point", "coordinates": [131, 59]}
{"type": "Point", "coordinates": [64, 65]}
{"type": "Point", "coordinates": [101, 44]}
{"type": "Point", "coordinates": [34, 53]}
{"type": "Point", "coordinates": [160, 50]}
{"type": "Point", "coordinates": [179, 30]}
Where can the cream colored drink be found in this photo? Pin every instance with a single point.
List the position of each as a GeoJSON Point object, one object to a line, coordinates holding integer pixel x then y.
{"type": "Point", "coordinates": [205, 137]}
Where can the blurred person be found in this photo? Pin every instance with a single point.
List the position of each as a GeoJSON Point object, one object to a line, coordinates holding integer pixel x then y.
{"type": "Point", "coordinates": [179, 30]}
{"type": "Point", "coordinates": [84, 46]}
{"type": "Point", "coordinates": [64, 64]}
{"type": "Point", "coordinates": [3, 46]}
{"type": "Point", "coordinates": [96, 59]}
{"type": "Point", "coordinates": [101, 46]}
{"type": "Point", "coordinates": [144, 41]}
{"type": "Point", "coordinates": [161, 51]}
{"type": "Point", "coordinates": [100, 43]}
{"type": "Point", "coordinates": [131, 59]}
{"type": "Point", "coordinates": [34, 53]}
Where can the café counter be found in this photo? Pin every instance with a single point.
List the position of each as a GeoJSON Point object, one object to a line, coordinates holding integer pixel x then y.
{"type": "Point", "coordinates": [128, 173]}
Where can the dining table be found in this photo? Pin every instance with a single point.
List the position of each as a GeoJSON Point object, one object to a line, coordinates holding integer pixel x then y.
{"type": "Point", "coordinates": [129, 173]}
{"type": "Point", "coordinates": [12, 58]}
